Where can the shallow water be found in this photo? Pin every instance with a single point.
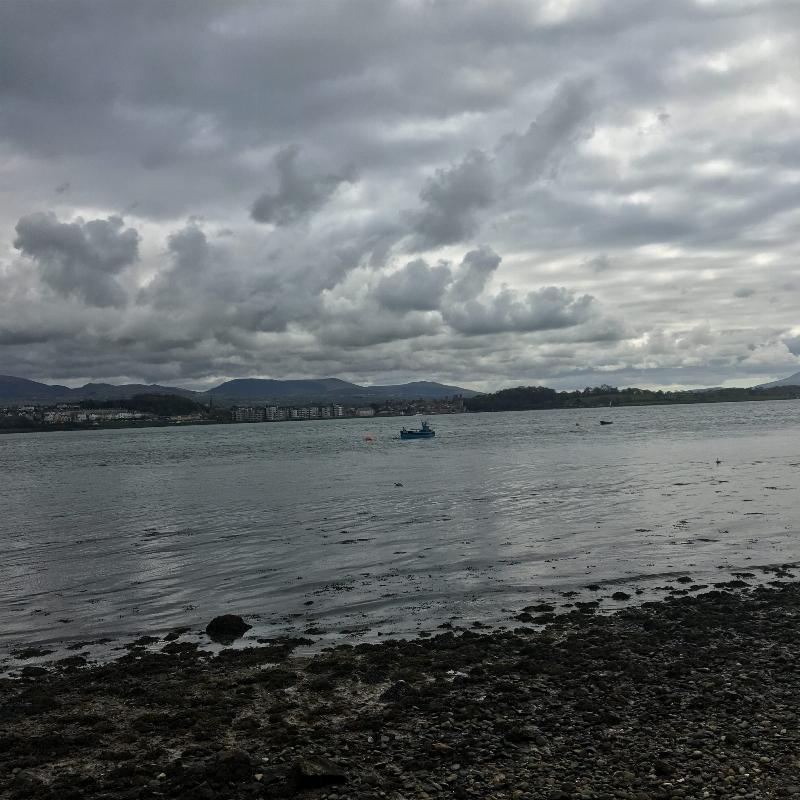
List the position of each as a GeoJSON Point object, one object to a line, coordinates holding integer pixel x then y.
{"type": "Point", "coordinates": [302, 525]}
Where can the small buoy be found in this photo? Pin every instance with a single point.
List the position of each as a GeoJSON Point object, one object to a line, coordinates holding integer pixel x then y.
{"type": "Point", "coordinates": [369, 438]}
{"type": "Point", "coordinates": [718, 462]}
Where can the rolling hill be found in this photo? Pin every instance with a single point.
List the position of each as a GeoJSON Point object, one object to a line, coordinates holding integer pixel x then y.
{"type": "Point", "coordinates": [331, 390]}
{"type": "Point", "coordinates": [17, 389]}
{"type": "Point", "coordinates": [792, 380]}
{"type": "Point", "coordinates": [325, 390]}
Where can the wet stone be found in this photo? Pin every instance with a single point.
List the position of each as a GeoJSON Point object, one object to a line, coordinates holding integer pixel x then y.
{"type": "Point", "coordinates": [226, 628]}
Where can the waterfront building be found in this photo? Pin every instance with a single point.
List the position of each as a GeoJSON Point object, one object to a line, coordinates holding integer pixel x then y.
{"type": "Point", "coordinates": [248, 414]}
{"type": "Point", "coordinates": [275, 414]}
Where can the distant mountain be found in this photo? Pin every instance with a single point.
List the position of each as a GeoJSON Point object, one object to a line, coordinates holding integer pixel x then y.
{"type": "Point", "coordinates": [108, 391]}
{"type": "Point", "coordinates": [16, 389]}
{"type": "Point", "coordinates": [266, 388]}
{"type": "Point", "coordinates": [792, 380]}
{"type": "Point", "coordinates": [331, 390]}
{"type": "Point", "coordinates": [21, 390]}
{"type": "Point", "coordinates": [324, 390]}
{"type": "Point", "coordinates": [418, 389]}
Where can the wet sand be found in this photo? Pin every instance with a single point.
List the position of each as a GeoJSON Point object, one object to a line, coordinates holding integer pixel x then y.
{"type": "Point", "coordinates": [696, 696]}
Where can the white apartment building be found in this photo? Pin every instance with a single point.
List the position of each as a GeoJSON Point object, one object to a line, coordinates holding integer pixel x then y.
{"type": "Point", "coordinates": [248, 413]}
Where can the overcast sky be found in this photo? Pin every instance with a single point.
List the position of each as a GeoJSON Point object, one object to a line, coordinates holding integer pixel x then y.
{"type": "Point", "coordinates": [565, 192]}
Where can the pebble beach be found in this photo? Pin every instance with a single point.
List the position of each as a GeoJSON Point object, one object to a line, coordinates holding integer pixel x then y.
{"type": "Point", "coordinates": [695, 696]}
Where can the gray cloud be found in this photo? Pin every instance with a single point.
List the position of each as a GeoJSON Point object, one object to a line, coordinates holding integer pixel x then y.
{"type": "Point", "coordinates": [190, 258]}
{"type": "Point", "coordinates": [420, 300]}
{"type": "Point", "coordinates": [450, 200]}
{"type": "Point", "coordinates": [221, 294]}
{"type": "Point", "coordinates": [793, 345]}
{"type": "Point", "coordinates": [298, 193]}
{"type": "Point", "coordinates": [599, 263]}
{"type": "Point", "coordinates": [370, 328]}
{"type": "Point", "coordinates": [80, 258]}
{"type": "Point", "coordinates": [417, 286]}
{"type": "Point", "coordinates": [475, 270]}
{"type": "Point", "coordinates": [544, 309]}
{"type": "Point", "coordinates": [13, 336]}
{"type": "Point", "coordinates": [563, 122]}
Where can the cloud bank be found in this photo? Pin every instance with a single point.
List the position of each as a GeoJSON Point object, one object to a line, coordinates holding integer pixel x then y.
{"type": "Point", "coordinates": [594, 191]}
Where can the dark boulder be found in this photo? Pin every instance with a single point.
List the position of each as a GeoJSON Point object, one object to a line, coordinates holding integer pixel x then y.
{"type": "Point", "coordinates": [663, 768]}
{"type": "Point", "coordinates": [30, 652]}
{"type": "Point", "coordinates": [226, 628]}
{"type": "Point", "coordinates": [397, 692]}
{"type": "Point", "coordinates": [231, 766]}
{"type": "Point", "coordinates": [33, 672]}
{"type": "Point", "coordinates": [311, 773]}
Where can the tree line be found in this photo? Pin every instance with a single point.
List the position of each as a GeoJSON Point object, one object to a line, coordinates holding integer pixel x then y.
{"type": "Point", "coordinates": [528, 398]}
{"type": "Point", "coordinates": [162, 405]}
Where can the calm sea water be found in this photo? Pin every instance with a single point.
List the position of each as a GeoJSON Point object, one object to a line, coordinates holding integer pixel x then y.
{"type": "Point", "coordinates": [302, 526]}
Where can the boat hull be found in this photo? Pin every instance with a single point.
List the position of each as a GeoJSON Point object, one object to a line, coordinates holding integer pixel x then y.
{"type": "Point", "coordinates": [417, 435]}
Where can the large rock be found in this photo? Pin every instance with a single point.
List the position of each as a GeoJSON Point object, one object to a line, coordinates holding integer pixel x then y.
{"type": "Point", "coordinates": [231, 766]}
{"type": "Point", "coordinates": [226, 628]}
{"type": "Point", "coordinates": [311, 773]}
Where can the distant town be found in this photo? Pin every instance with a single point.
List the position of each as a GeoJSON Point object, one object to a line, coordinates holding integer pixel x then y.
{"type": "Point", "coordinates": [155, 409]}
{"type": "Point", "coordinates": [148, 410]}
{"type": "Point", "coordinates": [389, 408]}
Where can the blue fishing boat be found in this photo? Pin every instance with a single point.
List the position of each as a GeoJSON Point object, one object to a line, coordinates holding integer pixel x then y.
{"type": "Point", "coordinates": [425, 432]}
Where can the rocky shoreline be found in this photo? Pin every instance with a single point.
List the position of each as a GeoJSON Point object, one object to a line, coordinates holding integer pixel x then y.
{"type": "Point", "coordinates": [696, 696]}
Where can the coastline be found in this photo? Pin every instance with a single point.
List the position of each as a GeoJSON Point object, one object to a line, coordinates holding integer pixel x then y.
{"type": "Point", "coordinates": [588, 406]}
{"type": "Point", "coordinates": [109, 427]}
{"type": "Point", "coordinates": [694, 696]}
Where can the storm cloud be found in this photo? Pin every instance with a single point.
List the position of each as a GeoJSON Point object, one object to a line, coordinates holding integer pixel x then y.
{"type": "Point", "coordinates": [450, 201]}
{"type": "Point", "coordinates": [562, 124]}
{"type": "Point", "coordinates": [542, 310]}
{"type": "Point", "coordinates": [79, 258]}
{"type": "Point", "coordinates": [417, 286]}
{"type": "Point", "coordinates": [502, 192]}
{"type": "Point", "coordinates": [476, 269]}
{"type": "Point", "coordinates": [298, 193]}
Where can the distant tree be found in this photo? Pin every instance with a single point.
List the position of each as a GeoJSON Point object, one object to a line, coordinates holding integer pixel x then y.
{"type": "Point", "coordinates": [520, 398]}
{"type": "Point", "coordinates": [162, 405]}
{"type": "Point", "coordinates": [523, 398]}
